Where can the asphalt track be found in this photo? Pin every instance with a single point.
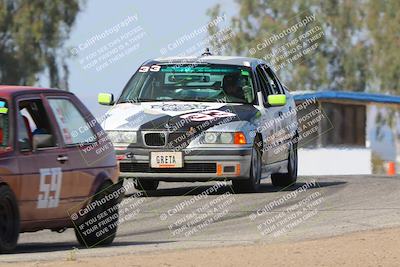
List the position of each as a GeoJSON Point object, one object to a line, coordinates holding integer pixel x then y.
{"type": "Point", "coordinates": [313, 208]}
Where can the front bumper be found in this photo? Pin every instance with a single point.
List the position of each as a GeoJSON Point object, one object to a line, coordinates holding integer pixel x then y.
{"type": "Point", "coordinates": [199, 164]}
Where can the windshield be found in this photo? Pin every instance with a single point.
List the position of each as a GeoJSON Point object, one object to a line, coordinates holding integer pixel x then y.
{"type": "Point", "coordinates": [3, 124]}
{"type": "Point", "coordinates": [204, 83]}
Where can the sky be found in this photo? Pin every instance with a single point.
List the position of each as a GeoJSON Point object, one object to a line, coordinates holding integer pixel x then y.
{"type": "Point", "coordinates": [111, 39]}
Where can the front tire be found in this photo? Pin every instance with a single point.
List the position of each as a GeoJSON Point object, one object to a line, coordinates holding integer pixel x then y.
{"type": "Point", "coordinates": [253, 183]}
{"type": "Point", "coordinates": [9, 220]}
{"type": "Point", "coordinates": [289, 178]}
{"type": "Point", "coordinates": [105, 217]}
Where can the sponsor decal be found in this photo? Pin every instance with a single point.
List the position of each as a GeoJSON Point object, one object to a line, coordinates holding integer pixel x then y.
{"type": "Point", "coordinates": [207, 115]}
{"type": "Point", "coordinates": [179, 107]}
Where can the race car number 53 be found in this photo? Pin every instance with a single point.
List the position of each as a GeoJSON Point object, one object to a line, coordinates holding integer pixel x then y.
{"type": "Point", "coordinates": [49, 194]}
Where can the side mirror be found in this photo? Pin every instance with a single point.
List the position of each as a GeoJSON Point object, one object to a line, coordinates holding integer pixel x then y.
{"type": "Point", "coordinates": [42, 140]}
{"type": "Point", "coordinates": [277, 100]}
{"type": "Point", "coordinates": [105, 99]}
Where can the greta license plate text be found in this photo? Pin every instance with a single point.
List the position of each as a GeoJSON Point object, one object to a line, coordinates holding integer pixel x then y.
{"type": "Point", "coordinates": [166, 160]}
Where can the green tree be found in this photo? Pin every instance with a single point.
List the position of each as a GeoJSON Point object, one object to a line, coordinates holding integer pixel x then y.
{"type": "Point", "coordinates": [32, 34]}
{"type": "Point", "coordinates": [358, 52]}
{"type": "Point", "coordinates": [383, 20]}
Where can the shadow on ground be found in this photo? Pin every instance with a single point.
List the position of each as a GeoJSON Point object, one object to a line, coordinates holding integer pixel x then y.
{"type": "Point", "coordinates": [265, 188]}
{"type": "Point", "coordinates": [38, 247]}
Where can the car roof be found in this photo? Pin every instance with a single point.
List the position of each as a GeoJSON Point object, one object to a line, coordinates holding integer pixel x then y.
{"type": "Point", "coordinates": [207, 59]}
{"type": "Point", "coordinates": [11, 90]}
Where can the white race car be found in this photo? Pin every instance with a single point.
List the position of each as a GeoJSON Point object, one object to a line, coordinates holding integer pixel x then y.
{"type": "Point", "coordinates": [204, 118]}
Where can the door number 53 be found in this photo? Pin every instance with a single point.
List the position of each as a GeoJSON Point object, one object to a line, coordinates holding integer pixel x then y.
{"type": "Point", "coordinates": [49, 194]}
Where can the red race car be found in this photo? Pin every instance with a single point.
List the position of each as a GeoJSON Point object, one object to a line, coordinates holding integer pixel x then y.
{"type": "Point", "coordinates": [55, 160]}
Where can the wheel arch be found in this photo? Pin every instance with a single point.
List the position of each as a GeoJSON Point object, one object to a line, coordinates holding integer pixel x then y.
{"type": "Point", "coordinates": [101, 178]}
{"type": "Point", "coordinates": [4, 183]}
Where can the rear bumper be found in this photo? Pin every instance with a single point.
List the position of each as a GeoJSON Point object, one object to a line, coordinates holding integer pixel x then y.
{"type": "Point", "coordinates": [199, 165]}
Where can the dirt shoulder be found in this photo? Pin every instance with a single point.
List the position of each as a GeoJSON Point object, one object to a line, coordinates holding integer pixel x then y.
{"type": "Point", "coordinates": [367, 248]}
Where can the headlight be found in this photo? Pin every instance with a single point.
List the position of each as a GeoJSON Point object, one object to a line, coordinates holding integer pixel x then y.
{"type": "Point", "coordinates": [225, 138]}
{"type": "Point", "coordinates": [210, 138]}
{"type": "Point", "coordinates": [122, 137]}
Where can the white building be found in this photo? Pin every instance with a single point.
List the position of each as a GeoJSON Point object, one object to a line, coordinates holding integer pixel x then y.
{"type": "Point", "coordinates": [354, 132]}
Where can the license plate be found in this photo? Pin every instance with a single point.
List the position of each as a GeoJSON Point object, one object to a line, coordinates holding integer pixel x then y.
{"type": "Point", "coordinates": [166, 160]}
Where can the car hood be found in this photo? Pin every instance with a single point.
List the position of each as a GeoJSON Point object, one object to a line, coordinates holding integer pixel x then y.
{"type": "Point", "coordinates": [173, 116]}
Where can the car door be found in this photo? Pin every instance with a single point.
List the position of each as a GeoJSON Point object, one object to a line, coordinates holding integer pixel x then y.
{"type": "Point", "coordinates": [79, 140]}
{"type": "Point", "coordinates": [268, 126]}
{"type": "Point", "coordinates": [46, 177]}
{"type": "Point", "coordinates": [283, 114]}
